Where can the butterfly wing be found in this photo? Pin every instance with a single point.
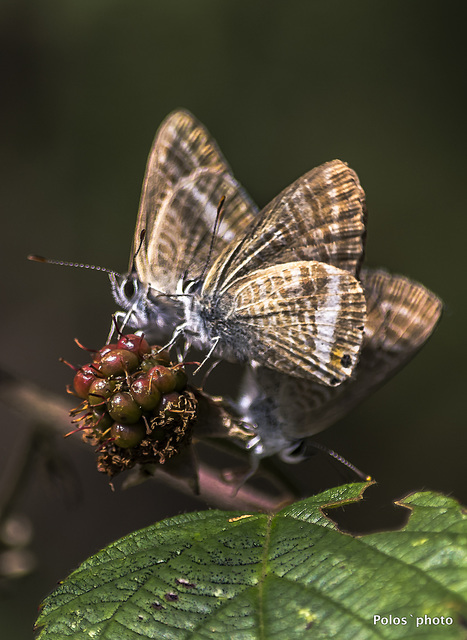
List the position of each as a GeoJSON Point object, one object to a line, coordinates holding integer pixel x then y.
{"type": "Point", "coordinates": [321, 217]}
{"type": "Point", "coordinates": [302, 318]}
{"type": "Point", "coordinates": [401, 316]}
{"type": "Point", "coordinates": [186, 177]}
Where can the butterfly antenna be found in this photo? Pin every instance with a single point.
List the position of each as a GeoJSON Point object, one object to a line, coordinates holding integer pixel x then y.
{"type": "Point", "coordinates": [142, 235]}
{"type": "Point", "coordinates": [217, 224]}
{"type": "Point", "coordinates": [78, 265]}
{"type": "Point", "coordinates": [342, 460]}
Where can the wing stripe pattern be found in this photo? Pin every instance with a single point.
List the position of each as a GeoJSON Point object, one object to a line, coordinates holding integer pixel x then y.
{"type": "Point", "coordinates": [305, 317]}
{"type": "Point", "coordinates": [186, 177]}
{"type": "Point", "coordinates": [321, 217]}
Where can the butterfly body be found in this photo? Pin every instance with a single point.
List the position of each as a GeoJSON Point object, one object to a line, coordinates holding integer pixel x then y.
{"type": "Point", "coordinates": [284, 314]}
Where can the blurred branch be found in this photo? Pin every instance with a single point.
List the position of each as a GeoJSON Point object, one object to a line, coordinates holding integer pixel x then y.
{"type": "Point", "coordinates": [50, 411]}
{"type": "Point", "coordinates": [15, 474]}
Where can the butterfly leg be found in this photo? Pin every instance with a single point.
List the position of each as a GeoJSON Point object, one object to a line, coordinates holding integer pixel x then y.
{"type": "Point", "coordinates": [211, 351]}
{"type": "Point", "coordinates": [210, 369]}
{"type": "Point", "coordinates": [178, 331]}
{"type": "Point", "coordinates": [119, 319]}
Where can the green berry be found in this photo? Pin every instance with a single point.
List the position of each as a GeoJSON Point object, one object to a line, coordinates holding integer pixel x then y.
{"type": "Point", "coordinates": [128, 435]}
{"type": "Point", "coordinates": [123, 408]}
{"type": "Point", "coordinates": [100, 390]}
{"type": "Point", "coordinates": [180, 379]}
{"type": "Point", "coordinates": [102, 421]}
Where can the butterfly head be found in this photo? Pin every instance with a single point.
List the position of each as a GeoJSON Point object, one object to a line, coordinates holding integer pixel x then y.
{"type": "Point", "coordinates": [154, 312]}
{"type": "Point", "coordinates": [130, 294]}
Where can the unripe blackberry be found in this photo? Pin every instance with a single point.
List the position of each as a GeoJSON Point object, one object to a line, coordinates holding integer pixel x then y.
{"type": "Point", "coordinates": [102, 420]}
{"type": "Point", "coordinates": [163, 378]}
{"type": "Point", "coordinates": [103, 351]}
{"type": "Point", "coordinates": [135, 344]}
{"type": "Point", "coordinates": [122, 408]}
{"type": "Point", "coordinates": [118, 362]}
{"type": "Point", "coordinates": [161, 357]}
{"type": "Point", "coordinates": [145, 393]}
{"type": "Point", "coordinates": [180, 379]}
{"type": "Point", "coordinates": [169, 403]}
{"type": "Point", "coordinates": [83, 379]}
{"type": "Point", "coordinates": [100, 390]}
{"type": "Point", "coordinates": [156, 357]}
{"type": "Point", "coordinates": [128, 435]}
{"type": "Point", "coordinates": [137, 408]}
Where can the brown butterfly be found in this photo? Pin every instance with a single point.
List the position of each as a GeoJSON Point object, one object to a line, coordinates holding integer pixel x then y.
{"type": "Point", "coordinates": [276, 288]}
{"type": "Point", "coordinates": [401, 315]}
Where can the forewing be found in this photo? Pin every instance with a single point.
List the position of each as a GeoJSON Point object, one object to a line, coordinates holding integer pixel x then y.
{"type": "Point", "coordinates": [305, 319]}
{"type": "Point", "coordinates": [321, 217]}
{"type": "Point", "coordinates": [402, 315]}
{"type": "Point", "coordinates": [186, 177]}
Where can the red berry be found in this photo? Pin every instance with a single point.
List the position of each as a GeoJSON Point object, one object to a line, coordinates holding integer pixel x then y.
{"type": "Point", "coordinates": [83, 380]}
{"type": "Point", "coordinates": [169, 402]}
{"type": "Point", "coordinates": [145, 393]}
{"type": "Point", "coordinates": [163, 378]}
{"type": "Point", "coordinates": [118, 361]}
{"type": "Point", "coordinates": [105, 349]}
{"type": "Point", "coordinates": [160, 357]}
{"type": "Point", "coordinates": [135, 344]}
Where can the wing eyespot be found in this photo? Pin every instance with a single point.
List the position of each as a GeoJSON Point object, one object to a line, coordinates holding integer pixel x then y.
{"type": "Point", "coordinates": [346, 361]}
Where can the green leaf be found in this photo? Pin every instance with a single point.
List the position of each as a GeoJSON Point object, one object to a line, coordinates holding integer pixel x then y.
{"type": "Point", "coordinates": [247, 576]}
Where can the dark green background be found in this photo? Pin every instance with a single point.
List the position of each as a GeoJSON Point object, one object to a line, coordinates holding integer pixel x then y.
{"type": "Point", "coordinates": [283, 87]}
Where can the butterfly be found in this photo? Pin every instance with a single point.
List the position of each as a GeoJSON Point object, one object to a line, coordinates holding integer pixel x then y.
{"type": "Point", "coordinates": [275, 287]}
{"type": "Point", "coordinates": [285, 411]}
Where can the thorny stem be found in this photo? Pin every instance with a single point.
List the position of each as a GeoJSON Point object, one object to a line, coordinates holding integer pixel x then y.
{"type": "Point", "coordinates": [45, 408]}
